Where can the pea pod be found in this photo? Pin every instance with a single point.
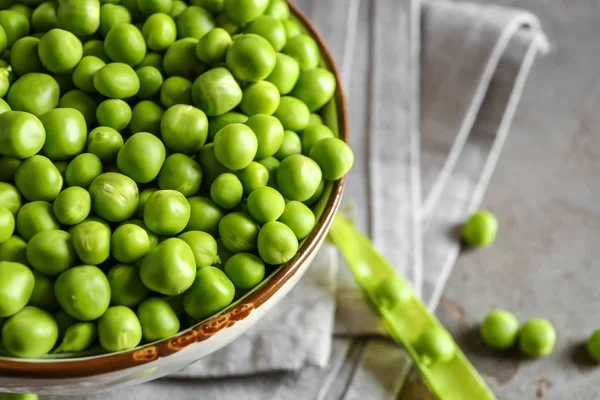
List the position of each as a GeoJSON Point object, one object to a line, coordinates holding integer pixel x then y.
{"type": "Point", "coordinates": [406, 318]}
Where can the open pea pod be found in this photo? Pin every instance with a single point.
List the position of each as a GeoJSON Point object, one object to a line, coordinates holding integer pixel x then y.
{"type": "Point", "coordinates": [406, 317]}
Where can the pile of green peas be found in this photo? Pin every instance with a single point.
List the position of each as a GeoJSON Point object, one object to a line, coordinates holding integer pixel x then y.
{"type": "Point", "coordinates": [157, 159]}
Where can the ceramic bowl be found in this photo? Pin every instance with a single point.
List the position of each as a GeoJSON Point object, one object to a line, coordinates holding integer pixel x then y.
{"type": "Point", "coordinates": [93, 374]}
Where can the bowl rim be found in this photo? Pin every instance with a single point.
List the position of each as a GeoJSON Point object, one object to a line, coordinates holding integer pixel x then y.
{"type": "Point", "coordinates": [113, 362]}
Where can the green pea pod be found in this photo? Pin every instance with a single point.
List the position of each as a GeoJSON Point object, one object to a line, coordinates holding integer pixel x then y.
{"type": "Point", "coordinates": [78, 337]}
{"type": "Point", "coordinates": [406, 317]}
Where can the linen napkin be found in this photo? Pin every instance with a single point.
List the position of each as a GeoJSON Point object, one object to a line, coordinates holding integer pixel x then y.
{"type": "Point", "coordinates": [431, 91]}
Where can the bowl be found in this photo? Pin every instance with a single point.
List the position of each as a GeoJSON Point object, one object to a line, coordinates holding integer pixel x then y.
{"type": "Point", "coordinates": [91, 374]}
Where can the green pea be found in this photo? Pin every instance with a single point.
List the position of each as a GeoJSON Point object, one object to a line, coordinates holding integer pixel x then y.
{"type": "Point", "coordinates": [277, 244]}
{"type": "Point", "coordinates": [290, 145]}
{"type": "Point", "coordinates": [43, 292]}
{"type": "Point", "coordinates": [119, 329]}
{"type": "Point", "coordinates": [35, 217]}
{"type": "Point", "coordinates": [170, 268]}
{"type": "Point", "coordinates": [60, 51]}
{"type": "Point", "coordinates": [223, 253]}
{"type": "Point", "coordinates": [278, 9]}
{"type": "Point", "coordinates": [205, 215]}
{"type": "Point", "coordinates": [51, 252]}
{"type": "Point", "coordinates": [83, 75]}
{"type": "Point", "coordinates": [14, 249]}
{"type": "Point", "coordinates": [114, 113]}
{"type": "Point", "coordinates": [159, 31]}
{"type": "Point", "coordinates": [245, 270]}
{"type": "Point", "coordinates": [272, 165]}
{"type": "Point", "coordinates": [315, 87]}
{"type": "Point", "coordinates": [125, 44]}
{"type": "Point", "coordinates": [78, 337]}
{"type": "Point", "coordinates": [66, 133]}
{"type": "Point", "coordinates": [253, 176]}
{"type": "Point", "coordinates": [211, 167]}
{"type": "Point", "coordinates": [126, 287]}
{"type": "Point", "coordinates": [24, 56]}
{"type": "Point", "coordinates": [235, 146]}
{"type": "Point", "coordinates": [212, 47]}
{"type": "Point", "coordinates": [114, 196]}
{"type": "Point", "coordinates": [244, 11]}
{"type": "Point", "coordinates": [180, 59]}
{"type": "Point", "coordinates": [30, 333]}
{"type": "Point", "coordinates": [270, 135]}
{"type": "Point", "coordinates": [392, 291]}
{"type": "Point", "coordinates": [112, 15]}
{"type": "Point", "coordinates": [299, 218]}
{"type": "Point", "coordinates": [4, 107]}
{"type": "Point", "coordinates": [177, 9]}
{"type": "Point", "coordinates": [105, 143]}
{"type": "Point", "coordinates": [213, 6]}
{"type": "Point", "coordinates": [334, 156]}
{"type": "Point", "coordinates": [238, 232]}
{"type": "Point", "coordinates": [593, 345]}
{"type": "Point", "coordinates": [298, 177]}
{"type": "Point", "coordinates": [313, 134]}
{"type": "Point", "coordinates": [176, 90]}
{"type": "Point", "coordinates": [204, 247]}
{"type": "Point", "coordinates": [499, 330]}
{"type": "Point", "coordinates": [8, 166]}
{"type": "Point", "coordinates": [10, 197]}
{"type": "Point", "coordinates": [3, 40]}
{"type": "Point", "coordinates": [151, 81]}
{"type": "Point", "coordinates": [72, 205]}
{"type": "Point", "coordinates": [265, 204]}
{"type": "Point", "coordinates": [184, 129]}
{"type": "Point", "coordinates": [269, 28]}
{"type": "Point", "coordinates": [15, 26]}
{"type": "Point", "coordinates": [152, 60]}
{"type": "Point", "coordinates": [23, 9]}
{"type": "Point", "coordinates": [480, 229]}
{"type": "Point", "coordinates": [260, 98]}
{"type": "Point", "coordinates": [142, 157]}
{"type": "Point", "coordinates": [34, 93]}
{"type": "Point", "coordinates": [22, 135]}
{"type": "Point", "coordinates": [167, 212]}
{"type": "Point", "coordinates": [224, 22]}
{"type": "Point", "coordinates": [180, 173]}
{"type": "Point", "coordinates": [153, 238]}
{"type": "Point", "coordinates": [436, 346]}
{"type": "Point", "coordinates": [82, 102]}
{"type": "Point", "coordinates": [82, 170]}
{"type": "Point", "coordinates": [83, 292]}
{"type": "Point", "coordinates": [148, 7]}
{"type": "Point", "coordinates": [251, 58]}
{"type": "Point", "coordinates": [194, 22]}
{"type": "Point", "coordinates": [158, 319]}
{"type": "Point", "coordinates": [95, 48]}
{"type": "Point", "coordinates": [44, 17]}
{"type": "Point", "coordinates": [16, 286]}
{"type": "Point", "coordinates": [226, 191]}
{"type": "Point", "coordinates": [293, 114]}
{"type": "Point", "coordinates": [145, 117]}
{"type": "Point", "coordinates": [315, 119]}
{"type": "Point", "coordinates": [130, 243]}
{"type": "Point", "coordinates": [38, 179]}
{"type": "Point", "coordinates": [117, 80]}
{"type": "Point", "coordinates": [82, 17]}
{"type": "Point", "coordinates": [305, 50]}
{"type": "Point", "coordinates": [537, 338]}
{"type": "Point", "coordinates": [211, 292]}
{"type": "Point", "coordinates": [216, 92]}
{"type": "Point", "coordinates": [217, 123]}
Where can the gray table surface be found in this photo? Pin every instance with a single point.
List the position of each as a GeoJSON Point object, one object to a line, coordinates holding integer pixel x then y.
{"type": "Point", "coordinates": [545, 193]}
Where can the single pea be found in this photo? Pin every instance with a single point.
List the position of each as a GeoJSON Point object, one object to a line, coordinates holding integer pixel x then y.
{"type": "Point", "coordinates": [114, 113]}
{"type": "Point", "coordinates": [35, 217]}
{"type": "Point", "coordinates": [51, 252]}
{"type": "Point", "coordinates": [83, 292]}
{"type": "Point", "coordinates": [305, 50]}
{"type": "Point", "coordinates": [245, 270]}
{"type": "Point", "coordinates": [42, 295]}
{"type": "Point", "coordinates": [298, 177]}
{"type": "Point", "coordinates": [170, 268]}
{"type": "Point", "coordinates": [125, 44]}
{"type": "Point", "coordinates": [212, 6]}
{"type": "Point", "coordinates": [82, 102]}
{"type": "Point", "coordinates": [10, 197]}
{"type": "Point", "coordinates": [15, 26]}
{"type": "Point", "coordinates": [176, 90]}
{"type": "Point", "coordinates": [181, 173]}
{"type": "Point", "coordinates": [129, 244]}
{"type": "Point", "coordinates": [194, 22]}
{"type": "Point", "coordinates": [277, 244]}
{"type": "Point", "coordinates": [149, 7]}
{"type": "Point", "coordinates": [60, 51]}
{"type": "Point", "coordinates": [593, 345]}
{"type": "Point", "coordinates": [151, 81]}
{"type": "Point", "coordinates": [4, 87]}
{"type": "Point", "coordinates": [211, 292]}
{"type": "Point", "coordinates": [212, 47]}
{"type": "Point", "coordinates": [251, 58]}
{"type": "Point", "coordinates": [112, 15]}
{"type": "Point", "coordinates": [499, 330]}
{"type": "Point", "coordinates": [126, 287]}
{"type": "Point", "coordinates": [142, 157]}
{"type": "Point", "coordinates": [313, 134]}
{"type": "Point", "coordinates": [15, 250]}
{"type": "Point", "coordinates": [226, 191]}
{"type": "Point", "coordinates": [238, 232]}
{"type": "Point", "coordinates": [244, 11]}
{"type": "Point", "coordinates": [66, 133]}
{"type": "Point", "coordinates": [44, 17]}
{"type": "Point", "coordinates": [184, 129]}
{"type": "Point", "coordinates": [480, 229]}
{"type": "Point", "coordinates": [265, 204]}
{"type": "Point", "coordinates": [38, 179]}
{"type": "Point", "coordinates": [83, 75]}
{"type": "Point", "coordinates": [315, 119]}
{"type": "Point", "coordinates": [392, 291]}
{"type": "Point", "coordinates": [315, 87]}
{"type": "Point", "coordinates": [167, 212]}
{"type": "Point", "coordinates": [24, 9]}
{"type": "Point", "coordinates": [216, 92]}
{"type": "Point", "coordinates": [293, 114]}
{"type": "Point", "coordinates": [224, 22]}
{"type": "Point", "coordinates": [217, 123]}
{"type": "Point", "coordinates": [260, 98]}
{"type": "Point", "coordinates": [158, 319]}
{"type": "Point", "coordinates": [278, 9]}
{"type": "Point", "coordinates": [180, 59]}
{"type": "Point", "coordinates": [82, 17]}
{"type": "Point", "coordinates": [105, 143]}
{"type": "Point", "coordinates": [290, 145]}
{"type": "Point", "coordinates": [95, 48]}
{"type": "Point", "coordinates": [203, 246]}
{"type": "Point", "coordinates": [159, 31]}
{"type": "Point", "coordinates": [152, 60]}
{"type": "Point", "coordinates": [211, 167]}
{"type": "Point", "coordinates": [24, 56]}
{"type": "Point", "coordinates": [253, 176]}
{"type": "Point", "coordinates": [334, 156]}
{"type": "Point", "coordinates": [269, 133]}
{"type": "Point", "coordinates": [272, 165]}
{"type": "Point", "coordinates": [117, 81]}
{"type": "Point", "coordinates": [177, 9]}
{"type": "Point", "coordinates": [269, 28]}
{"type": "Point", "coordinates": [205, 215]}
{"type": "Point", "coordinates": [30, 333]}
{"type": "Point", "coordinates": [8, 166]}
{"type": "Point", "coordinates": [145, 117]}
{"type": "Point", "coordinates": [152, 237]}
{"type": "Point", "coordinates": [235, 146]}
{"type": "Point", "coordinates": [114, 196]}
{"type": "Point", "coordinates": [537, 338]}
{"type": "Point", "coordinates": [299, 218]}
{"type": "Point", "coordinates": [22, 135]}
{"type": "Point", "coordinates": [119, 329]}
{"type": "Point", "coordinates": [436, 346]}
{"type": "Point", "coordinates": [16, 286]}
{"type": "Point", "coordinates": [72, 205]}
{"type": "Point", "coordinates": [34, 93]}
{"type": "Point", "coordinates": [78, 337]}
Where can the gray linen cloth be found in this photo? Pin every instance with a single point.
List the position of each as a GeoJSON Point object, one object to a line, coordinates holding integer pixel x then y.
{"type": "Point", "coordinates": [431, 91]}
